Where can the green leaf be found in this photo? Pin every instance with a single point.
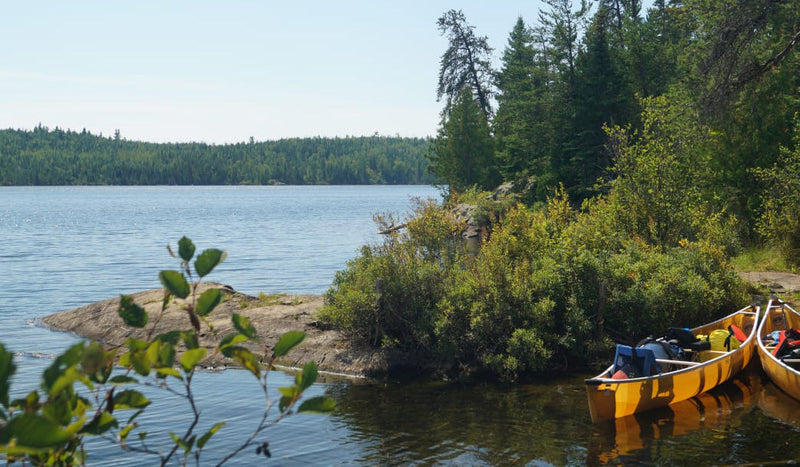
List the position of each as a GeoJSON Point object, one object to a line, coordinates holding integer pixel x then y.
{"type": "Point", "coordinates": [152, 352]}
{"type": "Point", "coordinates": [135, 416]}
{"type": "Point", "coordinates": [243, 325]}
{"type": "Point", "coordinates": [185, 249]}
{"type": "Point", "coordinates": [67, 378]}
{"type": "Point", "coordinates": [140, 362]}
{"type": "Point", "coordinates": [131, 313]}
{"type": "Point", "coordinates": [228, 343]}
{"type": "Point", "coordinates": [190, 339]}
{"type": "Point", "coordinates": [208, 301]}
{"type": "Point", "coordinates": [29, 403]}
{"type": "Point", "coordinates": [204, 439]}
{"type": "Point", "coordinates": [290, 392]}
{"type": "Point", "coordinates": [166, 355]}
{"type": "Point", "coordinates": [165, 301]}
{"type": "Point", "coordinates": [284, 403]}
{"type": "Point", "coordinates": [94, 359]}
{"type": "Point", "coordinates": [36, 431]}
{"type": "Point", "coordinates": [130, 399]}
{"type": "Point", "coordinates": [319, 404]}
{"type": "Point", "coordinates": [7, 369]}
{"type": "Point", "coordinates": [123, 434]}
{"type": "Point", "coordinates": [191, 358]}
{"type": "Point", "coordinates": [175, 283]}
{"type": "Point", "coordinates": [101, 424]}
{"type": "Point", "coordinates": [287, 342]}
{"type": "Point", "coordinates": [171, 337]}
{"type": "Point", "coordinates": [125, 360]}
{"type": "Point", "coordinates": [136, 344]}
{"type": "Point", "coordinates": [70, 358]}
{"type": "Point", "coordinates": [249, 361]}
{"type": "Point", "coordinates": [122, 379]}
{"type": "Point", "coordinates": [208, 260]}
{"type": "Point", "coordinates": [164, 372]}
{"type": "Point", "coordinates": [59, 408]}
{"type": "Point", "coordinates": [309, 376]}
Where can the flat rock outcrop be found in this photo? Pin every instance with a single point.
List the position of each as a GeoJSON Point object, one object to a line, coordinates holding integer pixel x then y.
{"type": "Point", "coordinates": [776, 281]}
{"type": "Point", "coordinates": [272, 316]}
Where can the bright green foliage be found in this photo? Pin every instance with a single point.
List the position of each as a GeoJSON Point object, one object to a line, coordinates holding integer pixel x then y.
{"type": "Point", "coordinates": [207, 301]}
{"type": "Point", "coordinates": [661, 190]}
{"type": "Point", "coordinates": [79, 397]}
{"type": "Point", "coordinates": [549, 288]}
{"type": "Point", "coordinates": [185, 249]}
{"type": "Point", "coordinates": [779, 222]}
{"type": "Point", "coordinates": [287, 342]}
{"type": "Point", "coordinates": [175, 283]}
{"type": "Point", "coordinates": [208, 260]}
{"type": "Point", "coordinates": [243, 326]}
{"type": "Point", "coordinates": [387, 296]}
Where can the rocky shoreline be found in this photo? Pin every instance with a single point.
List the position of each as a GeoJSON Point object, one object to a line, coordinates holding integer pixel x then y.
{"type": "Point", "coordinates": [272, 316]}
{"type": "Point", "coordinates": [275, 315]}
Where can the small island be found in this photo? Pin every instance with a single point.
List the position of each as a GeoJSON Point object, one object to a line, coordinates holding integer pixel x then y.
{"type": "Point", "coordinates": [271, 315]}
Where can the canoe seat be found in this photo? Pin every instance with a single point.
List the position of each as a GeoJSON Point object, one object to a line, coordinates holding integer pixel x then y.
{"type": "Point", "coordinates": [641, 361]}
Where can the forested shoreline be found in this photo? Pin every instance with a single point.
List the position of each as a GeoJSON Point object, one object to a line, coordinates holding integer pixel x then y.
{"type": "Point", "coordinates": [647, 149]}
{"type": "Point", "coordinates": [63, 157]}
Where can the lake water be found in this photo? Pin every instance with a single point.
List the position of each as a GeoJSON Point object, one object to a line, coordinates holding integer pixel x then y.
{"type": "Point", "coordinates": [65, 247]}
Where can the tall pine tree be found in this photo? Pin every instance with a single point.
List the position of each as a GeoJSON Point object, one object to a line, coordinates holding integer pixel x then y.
{"type": "Point", "coordinates": [463, 152]}
{"type": "Point", "coordinates": [465, 63]}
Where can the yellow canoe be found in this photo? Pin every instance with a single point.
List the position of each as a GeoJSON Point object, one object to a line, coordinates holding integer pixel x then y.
{"type": "Point", "coordinates": [613, 398]}
{"type": "Point", "coordinates": [723, 405]}
{"type": "Point", "coordinates": [779, 316]}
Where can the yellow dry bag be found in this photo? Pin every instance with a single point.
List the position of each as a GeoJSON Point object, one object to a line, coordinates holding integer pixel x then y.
{"type": "Point", "coordinates": [723, 340]}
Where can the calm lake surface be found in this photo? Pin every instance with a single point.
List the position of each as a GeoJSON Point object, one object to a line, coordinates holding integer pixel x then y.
{"type": "Point", "coordinates": [64, 247]}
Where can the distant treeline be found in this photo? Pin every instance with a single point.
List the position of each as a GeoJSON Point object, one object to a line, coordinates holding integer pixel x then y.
{"type": "Point", "coordinates": [58, 157]}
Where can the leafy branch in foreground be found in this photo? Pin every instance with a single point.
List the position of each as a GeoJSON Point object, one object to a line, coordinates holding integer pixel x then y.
{"type": "Point", "coordinates": [83, 393]}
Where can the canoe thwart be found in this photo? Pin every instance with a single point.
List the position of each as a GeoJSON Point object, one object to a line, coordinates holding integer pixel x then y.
{"type": "Point", "coordinates": [676, 362]}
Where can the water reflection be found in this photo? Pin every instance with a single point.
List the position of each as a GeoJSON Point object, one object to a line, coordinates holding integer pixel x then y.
{"type": "Point", "coordinates": [648, 436]}
{"type": "Point", "coordinates": [466, 424]}
{"type": "Point", "coordinates": [743, 421]}
{"type": "Point", "coordinates": [779, 406]}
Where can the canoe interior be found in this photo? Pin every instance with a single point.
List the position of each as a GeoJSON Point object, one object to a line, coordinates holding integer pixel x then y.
{"type": "Point", "coordinates": [610, 398]}
{"type": "Point", "coordinates": [786, 376]}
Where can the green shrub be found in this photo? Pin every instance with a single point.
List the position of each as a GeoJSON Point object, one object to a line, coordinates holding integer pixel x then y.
{"type": "Point", "coordinates": [545, 291]}
{"type": "Point", "coordinates": [779, 222]}
{"type": "Point", "coordinates": [388, 294]}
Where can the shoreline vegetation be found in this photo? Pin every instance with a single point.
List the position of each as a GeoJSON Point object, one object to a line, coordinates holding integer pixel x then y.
{"type": "Point", "coordinates": [274, 315]}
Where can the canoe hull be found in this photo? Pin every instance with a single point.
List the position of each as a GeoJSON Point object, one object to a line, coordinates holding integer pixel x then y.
{"type": "Point", "coordinates": [610, 398]}
{"type": "Point", "coordinates": [779, 316]}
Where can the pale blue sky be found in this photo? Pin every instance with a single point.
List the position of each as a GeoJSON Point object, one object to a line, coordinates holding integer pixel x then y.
{"type": "Point", "coordinates": [220, 72]}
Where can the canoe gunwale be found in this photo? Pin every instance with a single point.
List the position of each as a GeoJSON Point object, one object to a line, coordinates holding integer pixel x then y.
{"type": "Point", "coordinates": [785, 377]}
{"type": "Point", "coordinates": [613, 390]}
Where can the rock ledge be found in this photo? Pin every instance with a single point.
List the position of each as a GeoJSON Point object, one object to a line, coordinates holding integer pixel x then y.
{"type": "Point", "coordinates": [272, 316]}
